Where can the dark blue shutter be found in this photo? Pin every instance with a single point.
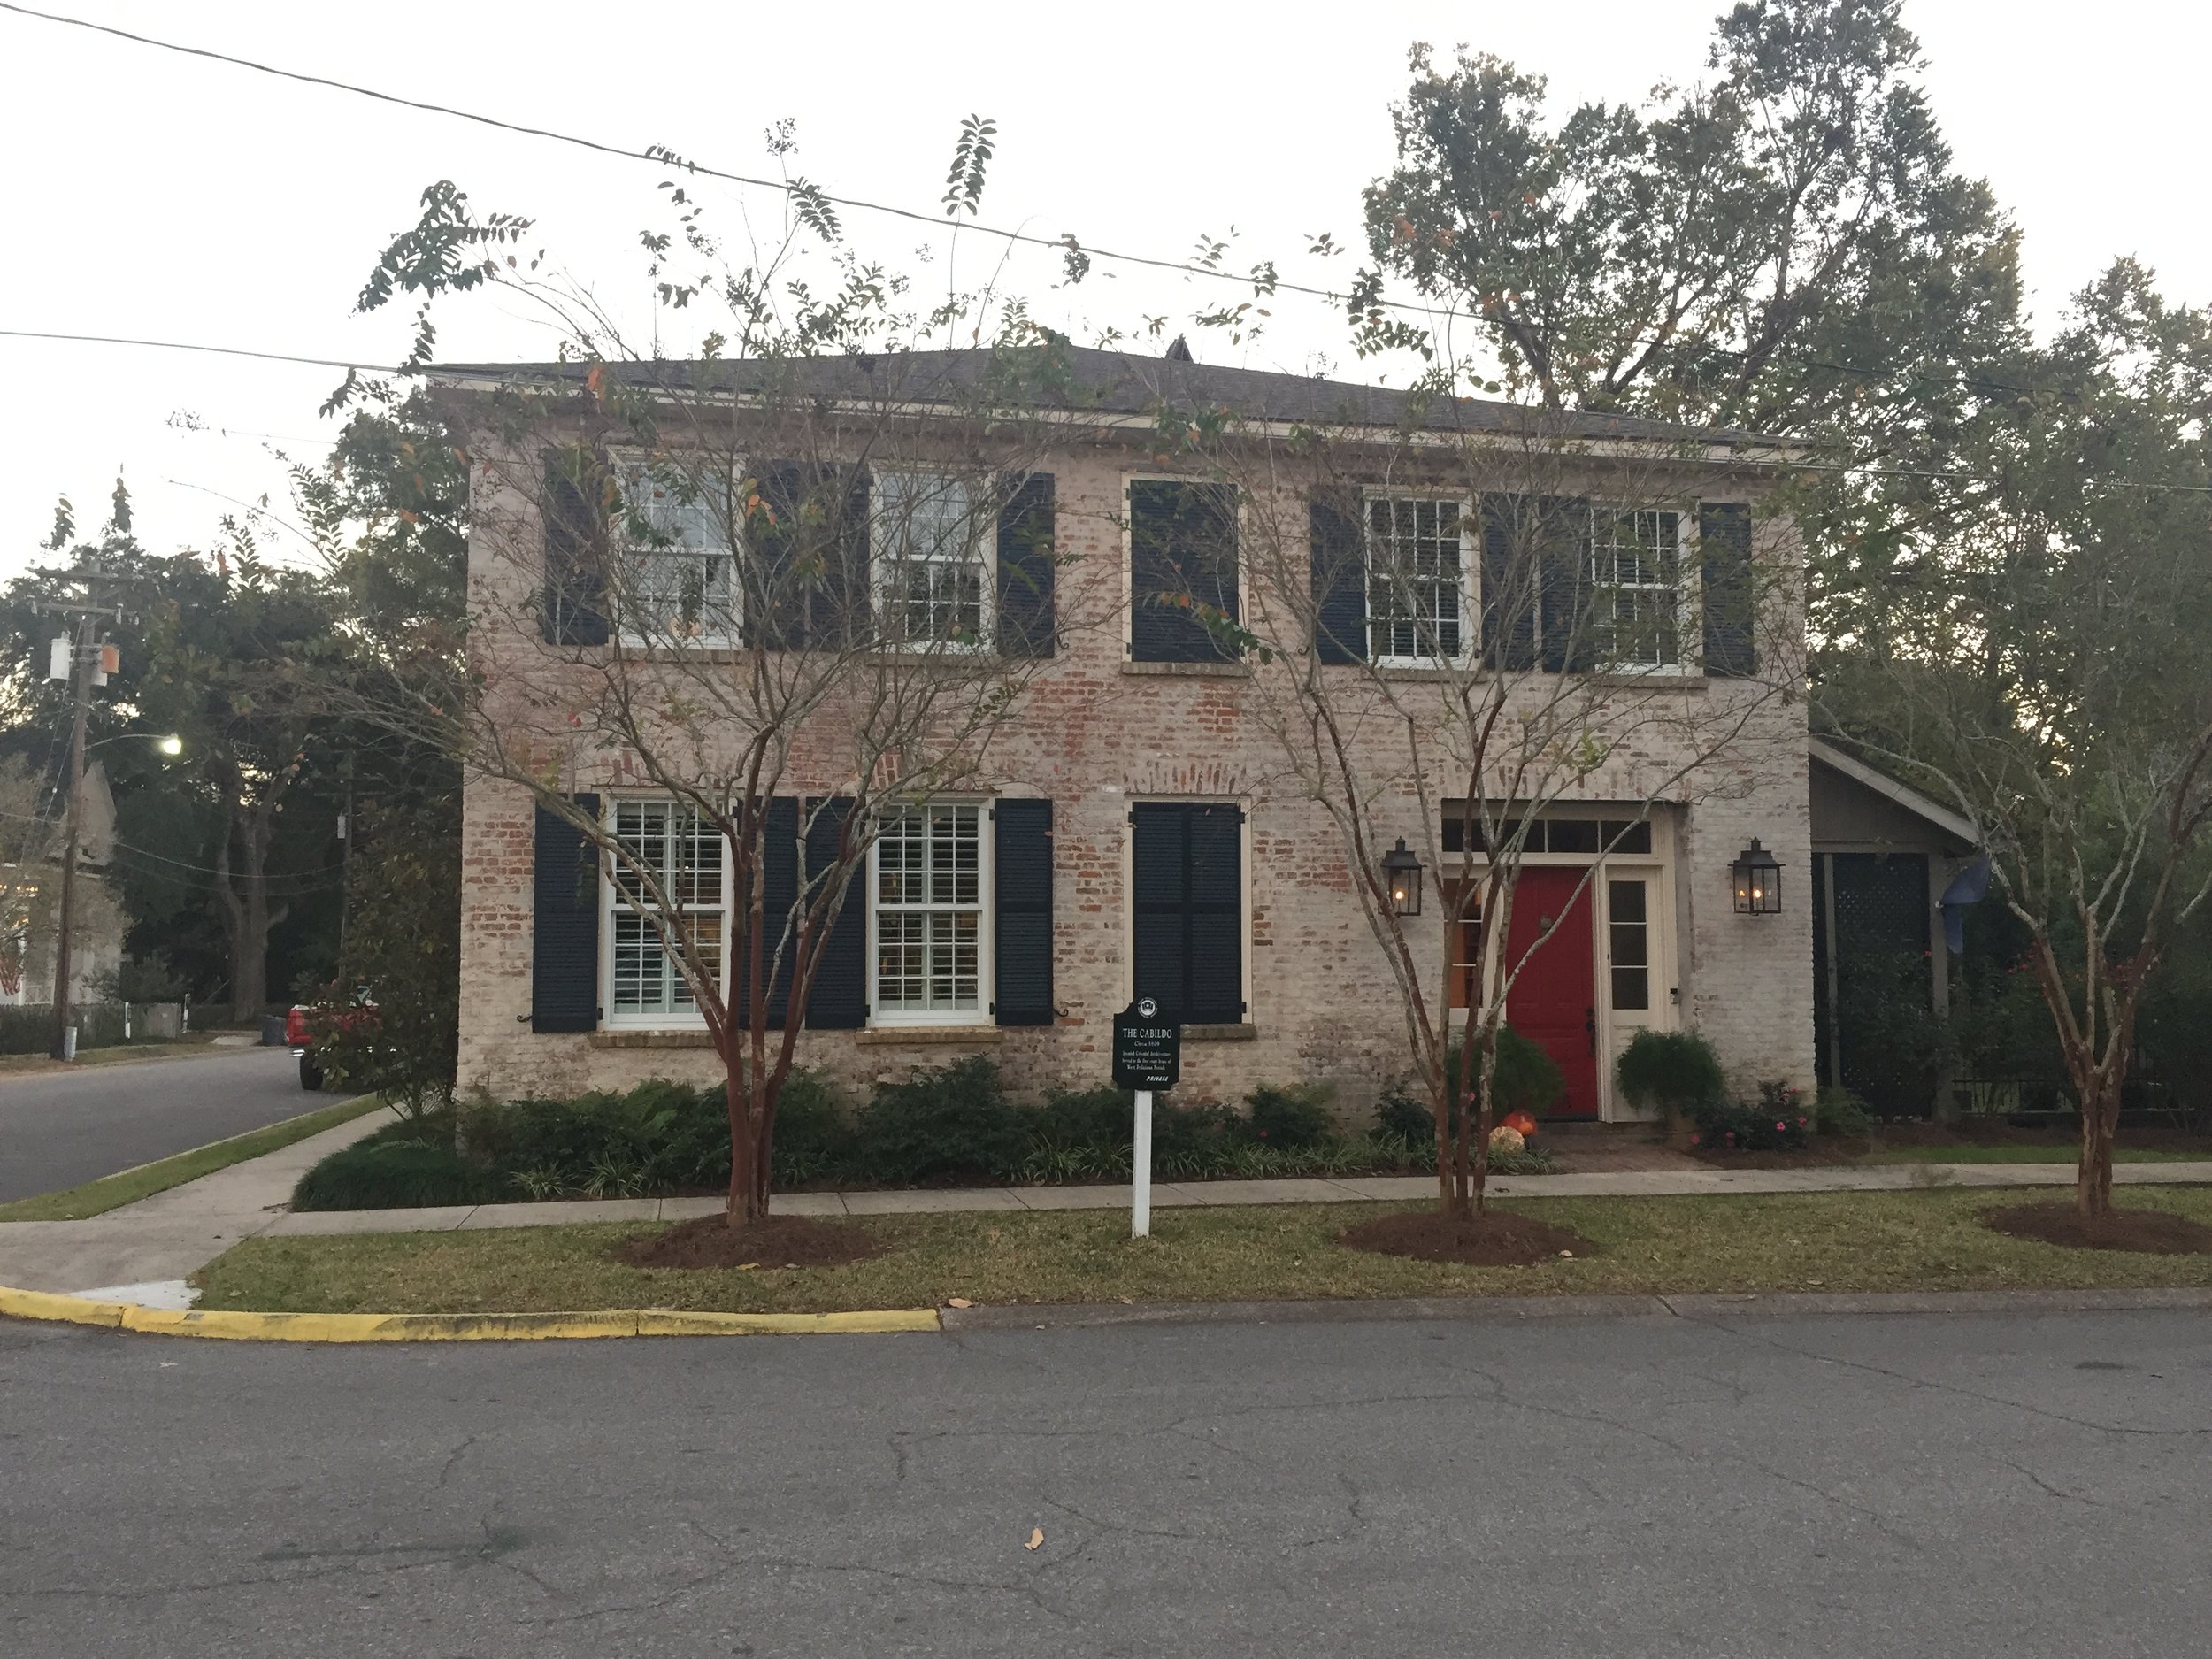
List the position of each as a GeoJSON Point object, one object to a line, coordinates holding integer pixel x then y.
{"type": "Point", "coordinates": [565, 924]}
{"type": "Point", "coordinates": [1340, 576]}
{"type": "Point", "coordinates": [1182, 554]}
{"type": "Point", "coordinates": [1569, 636]}
{"type": "Point", "coordinates": [1510, 600]}
{"type": "Point", "coordinates": [838, 1000]}
{"type": "Point", "coordinates": [1021, 866]}
{"type": "Point", "coordinates": [808, 586]}
{"type": "Point", "coordinates": [779, 869]}
{"type": "Point", "coordinates": [1723, 538]}
{"type": "Point", "coordinates": [1187, 908]}
{"type": "Point", "coordinates": [1027, 623]}
{"type": "Point", "coordinates": [573, 605]}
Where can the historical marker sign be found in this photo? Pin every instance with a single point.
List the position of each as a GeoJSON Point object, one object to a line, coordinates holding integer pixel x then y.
{"type": "Point", "coordinates": [1147, 1047]}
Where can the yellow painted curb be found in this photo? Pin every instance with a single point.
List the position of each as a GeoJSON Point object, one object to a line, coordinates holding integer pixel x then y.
{"type": "Point", "coordinates": [449, 1327]}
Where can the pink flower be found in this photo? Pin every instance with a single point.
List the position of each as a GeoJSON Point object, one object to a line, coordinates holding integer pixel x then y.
{"type": "Point", "coordinates": [1777, 1126]}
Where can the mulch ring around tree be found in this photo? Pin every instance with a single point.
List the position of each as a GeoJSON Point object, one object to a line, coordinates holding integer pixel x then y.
{"type": "Point", "coordinates": [1494, 1239]}
{"type": "Point", "coordinates": [779, 1242]}
{"type": "Point", "coordinates": [2151, 1232]}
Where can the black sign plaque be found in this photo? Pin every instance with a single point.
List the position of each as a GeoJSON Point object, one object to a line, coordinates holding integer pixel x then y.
{"type": "Point", "coordinates": [1147, 1047]}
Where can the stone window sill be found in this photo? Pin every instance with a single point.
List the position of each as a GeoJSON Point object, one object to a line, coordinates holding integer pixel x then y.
{"type": "Point", "coordinates": [650, 1040]}
{"type": "Point", "coordinates": [942, 1036]}
{"type": "Point", "coordinates": [1221, 1033]}
{"type": "Point", "coordinates": [1193, 671]}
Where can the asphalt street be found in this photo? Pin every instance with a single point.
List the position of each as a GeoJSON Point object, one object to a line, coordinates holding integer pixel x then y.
{"type": "Point", "coordinates": [59, 1128]}
{"type": "Point", "coordinates": [1788, 1486]}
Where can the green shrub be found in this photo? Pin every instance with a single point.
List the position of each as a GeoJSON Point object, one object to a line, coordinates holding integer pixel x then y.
{"type": "Point", "coordinates": [950, 1122]}
{"type": "Point", "coordinates": [814, 1140]}
{"type": "Point", "coordinates": [1102, 1117]}
{"type": "Point", "coordinates": [1672, 1071]}
{"type": "Point", "coordinates": [1400, 1117]}
{"type": "Point", "coordinates": [1777, 1123]}
{"type": "Point", "coordinates": [397, 1174]}
{"type": "Point", "coordinates": [1288, 1118]}
{"type": "Point", "coordinates": [1837, 1111]}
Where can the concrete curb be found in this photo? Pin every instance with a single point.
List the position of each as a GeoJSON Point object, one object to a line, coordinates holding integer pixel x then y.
{"type": "Point", "coordinates": [449, 1327]}
{"type": "Point", "coordinates": [1508, 1310]}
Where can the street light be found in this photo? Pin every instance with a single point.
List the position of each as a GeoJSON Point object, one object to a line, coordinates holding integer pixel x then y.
{"type": "Point", "coordinates": [1757, 879]}
{"type": "Point", "coordinates": [1402, 872]}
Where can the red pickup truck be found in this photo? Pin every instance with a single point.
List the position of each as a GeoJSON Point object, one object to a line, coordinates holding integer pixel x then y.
{"type": "Point", "coordinates": [300, 1033]}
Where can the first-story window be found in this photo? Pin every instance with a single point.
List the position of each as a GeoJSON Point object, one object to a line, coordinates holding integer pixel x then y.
{"type": "Point", "coordinates": [1416, 580]}
{"type": "Point", "coordinates": [932, 570]}
{"type": "Point", "coordinates": [1636, 591]}
{"type": "Point", "coordinates": [682, 854]}
{"type": "Point", "coordinates": [675, 566]}
{"type": "Point", "coordinates": [928, 914]}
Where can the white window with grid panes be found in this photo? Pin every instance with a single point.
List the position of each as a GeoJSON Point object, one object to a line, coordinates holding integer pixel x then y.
{"type": "Point", "coordinates": [683, 854]}
{"type": "Point", "coordinates": [674, 561]}
{"type": "Point", "coordinates": [933, 536]}
{"type": "Point", "coordinates": [927, 909]}
{"type": "Point", "coordinates": [1635, 577]}
{"type": "Point", "coordinates": [1419, 569]}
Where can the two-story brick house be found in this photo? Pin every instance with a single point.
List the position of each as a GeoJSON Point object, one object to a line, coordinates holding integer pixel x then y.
{"type": "Point", "coordinates": [1136, 829]}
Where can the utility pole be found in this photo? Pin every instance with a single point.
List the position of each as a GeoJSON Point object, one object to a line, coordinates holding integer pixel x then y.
{"type": "Point", "coordinates": [85, 655]}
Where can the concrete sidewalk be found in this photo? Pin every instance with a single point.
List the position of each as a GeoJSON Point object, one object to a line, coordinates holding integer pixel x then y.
{"type": "Point", "coordinates": [171, 1234]}
{"type": "Point", "coordinates": [164, 1239]}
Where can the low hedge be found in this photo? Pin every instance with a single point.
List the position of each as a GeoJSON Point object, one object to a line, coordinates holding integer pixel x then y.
{"type": "Point", "coordinates": [952, 1123]}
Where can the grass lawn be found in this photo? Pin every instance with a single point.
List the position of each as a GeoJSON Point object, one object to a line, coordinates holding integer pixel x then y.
{"type": "Point", "coordinates": [115, 1054]}
{"type": "Point", "coordinates": [126, 1187]}
{"type": "Point", "coordinates": [2010, 1152]}
{"type": "Point", "coordinates": [1797, 1241]}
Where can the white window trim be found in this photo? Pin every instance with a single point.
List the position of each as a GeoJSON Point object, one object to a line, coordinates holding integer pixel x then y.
{"type": "Point", "coordinates": [985, 1011]}
{"type": "Point", "coordinates": [611, 905]}
{"type": "Point", "coordinates": [1469, 581]}
{"type": "Point", "coordinates": [1689, 655]}
{"type": "Point", "coordinates": [1129, 560]}
{"type": "Point", "coordinates": [622, 461]}
{"type": "Point", "coordinates": [880, 564]}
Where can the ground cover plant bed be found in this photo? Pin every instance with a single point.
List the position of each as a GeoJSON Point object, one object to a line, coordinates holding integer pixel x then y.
{"type": "Point", "coordinates": [2153, 1232]}
{"type": "Point", "coordinates": [1497, 1237]}
{"type": "Point", "coordinates": [950, 1125]}
{"type": "Point", "coordinates": [1929, 1239]}
{"type": "Point", "coordinates": [779, 1242]}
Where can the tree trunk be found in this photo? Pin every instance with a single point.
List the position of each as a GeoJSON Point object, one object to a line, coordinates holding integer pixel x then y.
{"type": "Point", "coordinates": [749, 1197]}
{"type": "Point", "coordinates": [2100, 1127]}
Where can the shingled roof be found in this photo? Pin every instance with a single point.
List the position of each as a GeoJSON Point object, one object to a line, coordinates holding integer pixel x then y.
{"type": "Point", "coordinates": [1082, 378]}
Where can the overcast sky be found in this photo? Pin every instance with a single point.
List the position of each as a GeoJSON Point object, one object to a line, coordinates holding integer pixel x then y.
{"type": "Point", "coordinates": [166, 197]}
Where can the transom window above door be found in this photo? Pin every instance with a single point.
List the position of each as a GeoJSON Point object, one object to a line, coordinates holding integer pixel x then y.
{"type": "Point", "coordinates": [932, 572]}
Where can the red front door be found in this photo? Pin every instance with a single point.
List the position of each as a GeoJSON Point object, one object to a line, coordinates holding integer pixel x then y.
{"type": "Point", "coordinates": [1553, 1002]}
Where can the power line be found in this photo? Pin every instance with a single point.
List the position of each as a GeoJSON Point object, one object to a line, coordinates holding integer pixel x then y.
{"type": "Point", "coordinates": [184, 345]}
{"type": "Point", "coordinates": [784, 186]}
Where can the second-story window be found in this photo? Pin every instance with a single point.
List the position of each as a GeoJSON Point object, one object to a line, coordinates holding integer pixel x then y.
{"type": "Point", "coordinates": [1634, 572]}
{"type": "Point", "coordinates": [932, 567]}
{"type": "Point", "coordinates": [675, 568]}
{"type": "Point", "coordinates": [1417, 580]}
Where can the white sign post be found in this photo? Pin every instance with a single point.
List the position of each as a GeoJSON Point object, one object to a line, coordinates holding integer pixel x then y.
{"type": "Point", "coordinates": [1147, 1056]}
{"type": "Point", "coordinates": [1141, 1197]}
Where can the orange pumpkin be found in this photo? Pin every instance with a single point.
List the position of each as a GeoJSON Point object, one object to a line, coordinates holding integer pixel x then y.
{"type": "Point", "coordinates": [1521, 1121]}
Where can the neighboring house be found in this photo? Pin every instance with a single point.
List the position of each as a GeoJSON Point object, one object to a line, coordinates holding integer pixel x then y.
{"type": "Point", "coordinates": [1140, 834]}
{"type": "Point", "coordinates": [30, 893]}
{"type": "Point", "coordinates": [1884, 855]}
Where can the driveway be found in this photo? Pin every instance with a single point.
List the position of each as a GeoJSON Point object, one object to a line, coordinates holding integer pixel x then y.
{"type": "Point", "coordinates": [59, 1128]}
{"type": "Point", "coordinates": [1546, 1487]}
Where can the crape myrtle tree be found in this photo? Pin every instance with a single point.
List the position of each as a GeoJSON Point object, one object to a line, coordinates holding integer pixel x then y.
{"type": "Point", "coordinates": [1458, 624]}
{"type": "Point", "coordinates": [785, 593]}
{"type": "Point", "coordinates": [2046, 671]}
